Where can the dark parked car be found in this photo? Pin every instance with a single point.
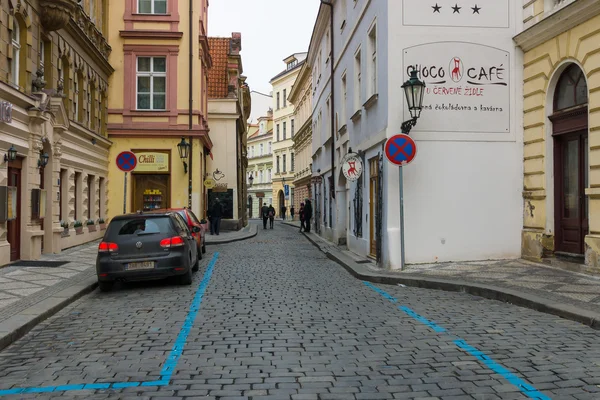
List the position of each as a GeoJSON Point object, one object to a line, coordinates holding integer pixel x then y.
{"type": "Point", "coordinates": [195, 227]}
{"type": "Point", "coordinates": [143, 246]}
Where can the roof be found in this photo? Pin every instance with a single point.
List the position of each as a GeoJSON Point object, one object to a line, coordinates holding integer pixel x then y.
{"type": "Point", "coordinates": [217, 75]}
{"type": "Point", "coordinates": [287, 71]}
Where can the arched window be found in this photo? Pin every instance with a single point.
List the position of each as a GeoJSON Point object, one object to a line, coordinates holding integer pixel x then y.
{"type": "Point", "coordinates": [571, 89]}
{"type": "Point", "coordinates": [16, 50]}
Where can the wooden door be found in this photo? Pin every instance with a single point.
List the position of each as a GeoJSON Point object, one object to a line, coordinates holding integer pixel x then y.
{"type": "Point", "coordinates": [14, 226]}
{"type": "Point", "coordinates": [571, 179]}
{"type": "Point", "coordinates": [373, 191]}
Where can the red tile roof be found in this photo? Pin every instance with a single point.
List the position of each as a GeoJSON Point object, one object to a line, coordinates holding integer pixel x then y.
{"type": "Point", "coordinates": [217, 75]}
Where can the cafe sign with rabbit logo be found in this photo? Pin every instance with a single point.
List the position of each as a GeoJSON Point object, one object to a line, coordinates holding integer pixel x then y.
{"type": "Point", "coordinates": [352, 166]}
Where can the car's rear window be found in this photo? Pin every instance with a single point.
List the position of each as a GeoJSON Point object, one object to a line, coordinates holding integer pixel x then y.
{"type": "Point", "coordinates": [182, 213]}
{"type": "Point", "coordinates": [140, 226]}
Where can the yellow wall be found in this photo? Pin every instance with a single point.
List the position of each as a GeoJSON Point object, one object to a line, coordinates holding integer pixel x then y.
{"type": "Point", "coordinates": [179, 179]}
{"type": "Point", "coordinates": [541, 67]}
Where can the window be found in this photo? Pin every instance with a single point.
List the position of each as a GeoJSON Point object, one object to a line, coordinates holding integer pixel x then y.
{"type": "Point", "coordinates": [571, 89]}
{"type": "Point", "coordinates": [344, 99]}
{"type": "Point", "coordinates": [102, 191]}
{"type": "Point", "coordinates": [277, 133]}
{"type": "Point", "coordinates": [76, 98]}
{"type": "Point", "coordinates": [42, 54]}
{"type": "Point", "coordinates": [152, 6]}
{"type": "Point", "coordinates": [292, 128]}
{"type": "Point", "coordinates": [260, 176]}
{"type": "Point", "coordinates": [16, 54]}
{"type": "Point", "coordinates": [373, 61]}
{"type": "Point", "coordinates": [89, 106]}
{"type": "Point", "coordinates": [284, 98]}
{"type": "Point", "coordinates": [63, 76]}
{"type": "Point", "coordinates": [278, 100]}
{"type": "Point", "coordinates": [270, 151]}
{"type": "Point", "coordinates": [262, 149]}
{"type": "Point", "coordinates": [343, 14]}
{"type": "Point", "coordinates": [357, 80]}
{"type": "Point", "coordinates": [151, 83]}
{"type": "Point", "coordinates": [46, 59]}
{"type": "Point", "coordinates": [269, 175]}
{"type": "Point", "coordinates": [90, 193]}
{"type": "Point", "coordinates": [92, 108]}
{"type": "Point", "coordinates": [92, 11]}
{"type": "Point", "coordinates": [292, 162]}
{"type": "Point", "coordinates": [77, 195]}
{"type": "Point", "coordinates": [251, 151]}
{"type": "Point", "coordinates": [277, 164]}
{"type": "Point", "coordinates": [284, 166]}
{"type": "Point", "coordinates": [102, 113]}
{"type": "Point", "coordinates": [284, 130]}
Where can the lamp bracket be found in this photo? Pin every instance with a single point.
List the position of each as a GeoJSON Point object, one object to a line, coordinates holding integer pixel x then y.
{"type": "Point", "coordinates": [408, 125]}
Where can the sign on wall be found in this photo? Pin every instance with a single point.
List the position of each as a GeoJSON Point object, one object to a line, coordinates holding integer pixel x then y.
{"type": "Point", "coordinates": [152, 162]}
{"type": "Point", "coordinates": [467, 87]}
{"type": "Point", "coordinates": [456, 13]}
{"type": "Point", "coordinates": [6, 111]}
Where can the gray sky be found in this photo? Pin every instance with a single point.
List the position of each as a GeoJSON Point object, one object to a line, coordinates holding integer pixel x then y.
{"type": "Point", "coordinates": [271, 31]}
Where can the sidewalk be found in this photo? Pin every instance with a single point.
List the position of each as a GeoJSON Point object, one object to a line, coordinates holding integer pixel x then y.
{"type": "Point", "coordinates": [30, 294]}
{"type": "Point", "coordinates": [246, 232]}
{"type": "Point", "coordinates": [540, 287]}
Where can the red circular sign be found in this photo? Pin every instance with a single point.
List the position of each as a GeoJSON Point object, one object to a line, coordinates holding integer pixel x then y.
{"type": "Point", "coordinates": [400, 149]}
{"type": "Point", "coordinates": [126, 161]}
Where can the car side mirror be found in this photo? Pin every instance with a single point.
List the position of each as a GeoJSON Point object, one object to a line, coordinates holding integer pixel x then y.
{"type": "Point", "coordinates": [196, 229]}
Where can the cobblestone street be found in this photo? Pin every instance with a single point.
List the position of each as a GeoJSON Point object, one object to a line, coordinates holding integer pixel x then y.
{"type": "Point", "coordinates": [276, 319]}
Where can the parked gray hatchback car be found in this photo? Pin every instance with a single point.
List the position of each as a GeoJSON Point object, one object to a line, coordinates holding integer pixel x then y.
{"type": "Point", "coordinates": [143, 246]}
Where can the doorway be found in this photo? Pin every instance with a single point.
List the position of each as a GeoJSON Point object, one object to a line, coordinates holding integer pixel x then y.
{"type": "Point", "coordinates": [281, 202]}
{"type": "Point", "coordinates": [571, 164]}
{"type": "Point", "coordinates": [249, 206]}
{"type": "Point", "coordinates": [373, 203]}
{"type": "Point", "coordinates": [14, 225]}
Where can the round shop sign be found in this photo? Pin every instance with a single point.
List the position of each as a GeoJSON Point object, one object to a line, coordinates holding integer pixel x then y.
{"type": "Point", "coordinates": [209, 183]}
{"type": "Point", "coordinates": [352, 166]}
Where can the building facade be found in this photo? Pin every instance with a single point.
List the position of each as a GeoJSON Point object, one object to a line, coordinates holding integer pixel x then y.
{"type": "Point", "coordinates": [53, 114]}
{"type": "Point", "coordinates": [260, 165]}
{"type": "Point", "coordinates": [229, 108]}
{"type": "Point", "coordinates": [561, 163]}
{"type": "Point", "coordinates": [301, 97]}
{"type": "Point", "coordinates": [158, 100]}
{"type": "Point", "coordinates": [284, 127]}
{"type": "Point", "coordinates": [458, 205]}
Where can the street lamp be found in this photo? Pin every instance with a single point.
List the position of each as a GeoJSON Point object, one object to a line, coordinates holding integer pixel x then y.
{"type": "Point", "coordinates": [184, 149]}
{"type": "Point", "coordinates": [11, 155]}
{"type": "Point", "coordinates": [43, 161]}
{"type": "Point", "coordinates": [414, 89]}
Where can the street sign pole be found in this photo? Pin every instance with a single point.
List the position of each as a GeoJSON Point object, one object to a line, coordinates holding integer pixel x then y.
{"type": "Point", "coordinates": [125, 194]}
{"type": "Point", "coordinates": [401, 195]}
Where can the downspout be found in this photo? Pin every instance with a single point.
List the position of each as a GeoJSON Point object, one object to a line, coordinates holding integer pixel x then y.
{"type": "Point", "coordinates": [332, 70]}
{"type": "Point", "coordinates": [191, 104]}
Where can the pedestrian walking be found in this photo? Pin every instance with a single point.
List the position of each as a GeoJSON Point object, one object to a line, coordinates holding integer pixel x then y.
{"type": "Point", "coordinates": [307, 215]}
{"type": "Point", "coordinates": [283, 210]}
{"type": "Point", "coordinates": [271, 215]}
{"type": "Point", "coordinates": [292, 212]}
{"type": "Point", "coordinates": [264, 213]}
{"type": "Point", "coordinates": [301, 216]}
{"type": "Point", "coordinates": [216, 214]}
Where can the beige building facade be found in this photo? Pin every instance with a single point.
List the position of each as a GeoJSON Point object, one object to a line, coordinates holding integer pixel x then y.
{"type": "Point", "coordinates": [284, 129]}
{"type": "Point", "coordinates": [260, 165]}
{"type": "Point", "coordinates": [301, 98]}
{"type": "Point", "coordinates": [53, 115]}
{"type": "Point", "coordinates": [561, 195]}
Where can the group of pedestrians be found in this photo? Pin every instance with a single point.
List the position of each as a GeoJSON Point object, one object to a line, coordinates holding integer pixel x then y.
{"type": "Point", "coordinates": [268, 215]}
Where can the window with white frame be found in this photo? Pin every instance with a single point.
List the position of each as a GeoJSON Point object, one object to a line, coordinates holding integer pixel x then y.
{"type": "Point", "coordinates": [284, 98]}
{"type": "Point", "coordinates": [262, 149]}
{"type": "Point", "coordinates": [373, 61]}
{"type": "Point", "coordinates": [277, 133]}
{"type": "Point", "coordinates": [344, 99]}
{"type": "Point", "coordinates": [152, 6]}
{"type": "Point", "coordinates": [292, 128]}
{"type": "Point", "coordinates": [357, 80]}
{"type": "Point", "coordinates": [260, 176]}
{"type": "Point", "coordinates": [270, 151]}
{"type": "Point", "coordinates": [16, 49]}
{"type": "Point", "coordinates": [92, 10]}
{"type": "Point", "coordinates": [343, 14]}
{"type": "Point", "coordinates": [76, 98]}
{"type": "Point", "coordinates": [284, 166]}
{"type": "Point", "coordinates": [269, 171]}
{"type": "Point", "coordinates": [292, 162]}
{"type": "Point", "coordinates": [284, 130]}
{"type": "Point", "coordinates": [151, 83]}
{"type": "Point", "coordinates": [42, 54]}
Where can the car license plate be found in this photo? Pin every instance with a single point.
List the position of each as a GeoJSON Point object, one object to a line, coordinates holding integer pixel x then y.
{"type": "Point", "coordinates": [139, 265]}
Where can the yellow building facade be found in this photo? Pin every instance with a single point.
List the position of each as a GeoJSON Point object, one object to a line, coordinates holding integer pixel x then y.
{"type": "Point", "coordinates": [157, 101]}
{"type": "Point", "coordinates": [561, 45]}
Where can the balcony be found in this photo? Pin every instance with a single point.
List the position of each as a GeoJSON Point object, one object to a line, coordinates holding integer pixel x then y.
{"type": "Point", "coordinates": [55, 14]}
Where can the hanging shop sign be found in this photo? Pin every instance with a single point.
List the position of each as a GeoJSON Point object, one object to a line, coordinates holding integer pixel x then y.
{"type": "Point", "coordinates": [148, 161]}
{"type": "Point", "coordinates": [352, 166]}
{"type": "Point", "coordinates": [220, 188]}
{"type": "Point", "coordinates": [209, 183]}
{"type": "Point", "coordinates": [6, 112]}
{"type": "Point", "coordinates": [467, 87]}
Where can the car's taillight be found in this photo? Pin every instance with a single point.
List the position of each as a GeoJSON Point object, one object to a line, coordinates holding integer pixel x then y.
{"type": "Point", "coordinates": [107, 247]}
{"type": "Point", "coordinates": [174, 241]}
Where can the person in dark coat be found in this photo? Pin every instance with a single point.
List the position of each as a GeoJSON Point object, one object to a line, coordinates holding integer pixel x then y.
{"type": "Point", "coordinates": [307, 215]}
{"type": "Point", "coordinates": [271, 215]}
{"type": "Point", "coordinates": [283, 210]}
{"type": "Point", "coordinates": [264, 213]}
{"type": "Point", "coordinates": [216, 213]}
{"type": "Point", "coordinates": [301, 216]}
{"type": "Point", "coordinates": [292, 211]}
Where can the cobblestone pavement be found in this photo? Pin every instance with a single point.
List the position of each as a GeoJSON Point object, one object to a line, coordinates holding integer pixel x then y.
{"type": "Point", "coordinates": [279, 320]}
{"type": "Point", "coordinates": [231, 236]}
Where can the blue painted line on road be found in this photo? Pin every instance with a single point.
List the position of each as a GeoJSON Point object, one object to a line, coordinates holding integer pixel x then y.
{"type": "Point", "coordinates": [514, 380]}
{"type": "Point", "coordinates": [168, 367]}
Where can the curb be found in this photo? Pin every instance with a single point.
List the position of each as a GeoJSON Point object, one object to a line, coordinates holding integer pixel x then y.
{"type": "Point", "coordinates": [534, 302]}
{"type": "Point", "coordinates": [16, 326]}
{"type": "Point", "coordinates": [225, 241]}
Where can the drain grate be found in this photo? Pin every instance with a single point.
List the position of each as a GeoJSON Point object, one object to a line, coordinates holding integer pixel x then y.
{"type": "Point", "coordinates": [39, 263]}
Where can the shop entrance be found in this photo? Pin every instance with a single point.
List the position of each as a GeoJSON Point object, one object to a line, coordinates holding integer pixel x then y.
{"type": "Point", "coordinates": [14, 205]}
{"type": "Point", "coordinates": [571, 164]}
{"type": "Point", "coordinates": [151, 192]}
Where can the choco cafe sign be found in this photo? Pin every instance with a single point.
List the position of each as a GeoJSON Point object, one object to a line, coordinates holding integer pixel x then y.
{"type": "Point", "coordinates": [149, 161]}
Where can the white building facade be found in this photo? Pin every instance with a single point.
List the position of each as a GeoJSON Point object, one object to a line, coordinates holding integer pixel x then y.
{"type": "Point", "coordinates": [260, 165]}
{"type": "Point", "coordinates": [462, 192]}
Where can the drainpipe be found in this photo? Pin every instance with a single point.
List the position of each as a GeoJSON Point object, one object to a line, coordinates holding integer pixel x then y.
{"type": "Point", "coordinates": [332, 69]}
{"type": "Point", "coordinates": [191, 104]}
